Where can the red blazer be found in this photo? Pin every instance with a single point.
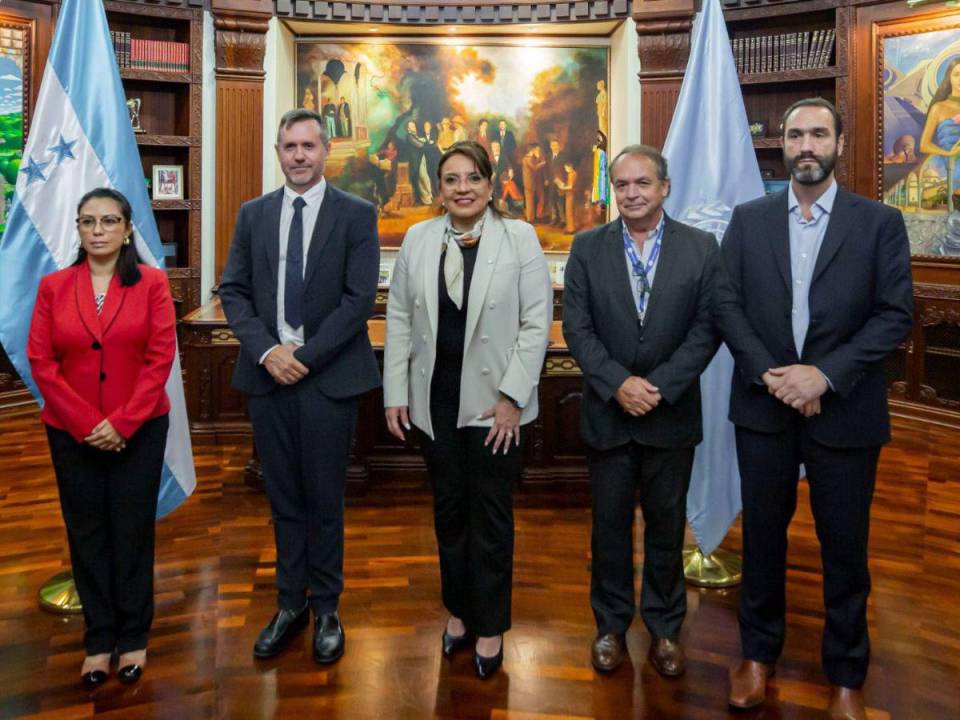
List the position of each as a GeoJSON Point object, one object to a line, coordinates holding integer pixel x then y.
{"type": "Point", "coordinates": [112, 365]}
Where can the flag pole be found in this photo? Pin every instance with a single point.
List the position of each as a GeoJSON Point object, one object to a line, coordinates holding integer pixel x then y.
{"type": "Point", "coordinates": [720, 569]}
{"type": "Point", "coordinates": [59, 595]}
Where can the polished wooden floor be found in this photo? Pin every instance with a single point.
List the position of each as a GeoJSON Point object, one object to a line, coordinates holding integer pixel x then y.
{"type": "Point", "coordinates": [215, 590]}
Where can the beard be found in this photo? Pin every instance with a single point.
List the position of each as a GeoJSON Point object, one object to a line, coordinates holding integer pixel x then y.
{"type": "Point", "coordinates": [810, 174]}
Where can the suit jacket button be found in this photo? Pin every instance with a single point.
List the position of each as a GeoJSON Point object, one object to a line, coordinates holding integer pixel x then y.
{"type": "Point", "coordinates": [103, 376]}
{"type": "Point", "coordinates": [95, 346]}
{"type": "Point", "coordinates": [416, 303]}
{"type": "Point", "coordinates": [485, 371]}
{"type": "Point", "coordinates": [484, 338]}
{"type": "Point", "coordinates": [493, 304]}
{"type": "Point", "coordinates": [424, 337]}
{"type": "Point", "coordinates": [423, 371]}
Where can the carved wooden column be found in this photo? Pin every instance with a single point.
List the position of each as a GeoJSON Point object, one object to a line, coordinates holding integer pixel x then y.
{"type": "Point", "coordinates": [663, 43]}
{"type": "Point", "coordinates": [241, 27]}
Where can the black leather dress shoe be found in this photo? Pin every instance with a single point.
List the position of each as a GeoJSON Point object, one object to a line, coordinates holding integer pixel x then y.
{"type": "Point", "coordinates": [487, 666]}
{"type": "Point", "coordinates": [453, 643]}
{"type": "Point", "coordinates": [284, 625]}
{"type": "Point", "coordinates": [328, 638]}
{"type": "Point", "coordinates": [129, 674]}
{"type": "Point", "coordinates": [94, 678]}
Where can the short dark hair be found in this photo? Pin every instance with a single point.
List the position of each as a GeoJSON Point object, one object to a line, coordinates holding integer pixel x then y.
{"type": "Point", "coordinates": [814, 102]}
{"type": "Point", "coordinates": [129, 259]}
{"type": "Point", "coordinates": [472, 150]}
{"type": "Point", "coordinates": [647, 151]}
{"type": "Point", "coordinates": [292, 117]}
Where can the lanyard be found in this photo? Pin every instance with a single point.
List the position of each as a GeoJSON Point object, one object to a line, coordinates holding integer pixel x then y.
{"type": "Point", "coordinates": [641, 272]}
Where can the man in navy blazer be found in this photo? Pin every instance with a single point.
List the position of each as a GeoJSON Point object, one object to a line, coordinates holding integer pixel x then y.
{"type": "Point", "coordinates": [298, 288]}
{"type": "Point", "coordinates": [815, 293]}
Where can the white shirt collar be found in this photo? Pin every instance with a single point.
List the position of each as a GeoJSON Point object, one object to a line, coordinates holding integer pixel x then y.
{"type": "Point", "coordinates": [311, 197]}
{"type": "Point", "coordinates": [824, 202]}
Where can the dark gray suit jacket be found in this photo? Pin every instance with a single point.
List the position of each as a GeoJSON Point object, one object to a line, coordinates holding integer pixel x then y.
{"type": "Point", "coordinates": [861, 308]}
{"type": "Point", "coordinates": [343, 265]}
{"type": "Point", "coordinates": [671, 349]}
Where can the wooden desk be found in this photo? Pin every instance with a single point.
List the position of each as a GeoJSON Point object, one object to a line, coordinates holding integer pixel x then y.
{"type": "Point", "coordinates": [554, 451]}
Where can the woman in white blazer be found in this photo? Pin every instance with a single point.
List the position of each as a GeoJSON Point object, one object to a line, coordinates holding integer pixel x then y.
{"type": "Point", "coordinates": [468, 318]}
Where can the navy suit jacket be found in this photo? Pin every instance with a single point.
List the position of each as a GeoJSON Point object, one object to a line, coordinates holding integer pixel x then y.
{"type": "Point", "coordinates": [340, 287]}
{"type": "Point", "coordinates": [861, 308]}
{"type": "Point", "coordinates": [671, 348]}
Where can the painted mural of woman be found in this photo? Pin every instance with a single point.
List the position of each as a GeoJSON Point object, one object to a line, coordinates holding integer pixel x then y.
{"type": "Point", "coordinates": [941, 131]}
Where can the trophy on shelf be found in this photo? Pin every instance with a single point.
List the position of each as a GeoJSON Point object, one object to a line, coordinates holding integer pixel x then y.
{"type": "Point", "coordinates": [133, 107]}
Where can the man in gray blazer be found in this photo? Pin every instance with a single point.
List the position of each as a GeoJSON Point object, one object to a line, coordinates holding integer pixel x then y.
{"type": "Point", "coordinates": [637, 319]}
{"type": "Point", "coordinates": [297, 290]}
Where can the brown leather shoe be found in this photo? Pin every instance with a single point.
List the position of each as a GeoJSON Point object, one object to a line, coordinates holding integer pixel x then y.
{"type": "Point", "coordinates": [667, 658]}
{"type": "Point", "coordinates": [748, 684]}
{"type": "Point", "coordinates": [608, 652]}
{"type": "Point", "coordinates": [846, 704]}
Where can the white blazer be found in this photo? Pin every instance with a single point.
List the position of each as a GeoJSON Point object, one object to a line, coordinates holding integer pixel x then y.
{"type": "Point", "coordinates": [509, 312]}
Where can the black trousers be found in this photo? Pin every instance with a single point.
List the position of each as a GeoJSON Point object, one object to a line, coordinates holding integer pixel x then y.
{"type": "Point", "coordinates": [841, 489]}
{"type": "Point", "coordinates": [473, 518]}
{"type": "Point", "coordinates": [303, 440]}
{"type": "Point", "coordinates": [109, 505]}
{"type": "Point", "coordinates": [662, 476]}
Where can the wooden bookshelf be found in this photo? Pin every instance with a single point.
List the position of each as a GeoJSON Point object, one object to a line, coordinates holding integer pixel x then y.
{"type": "Point", "coordinates": [766, 95]}
{"type": "Point", "coordinates": [171, 116]}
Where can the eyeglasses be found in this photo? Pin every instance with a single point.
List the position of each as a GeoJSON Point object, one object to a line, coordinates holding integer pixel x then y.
{"type": "Point", "coordinates": [107, 222]}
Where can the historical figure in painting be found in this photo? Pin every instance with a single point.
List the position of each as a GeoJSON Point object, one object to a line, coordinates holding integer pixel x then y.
{"type": "Point", "coordinates": [393, 109]}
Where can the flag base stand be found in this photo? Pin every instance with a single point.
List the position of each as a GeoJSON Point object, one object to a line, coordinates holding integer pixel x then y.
{"type": "Point", "coordinates": [719, 569]}
{"type": "Point", "coordinates": [59, 595]}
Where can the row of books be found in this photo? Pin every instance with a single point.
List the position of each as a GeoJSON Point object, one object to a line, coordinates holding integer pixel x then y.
{"type": "Point", "coordinates": [787, 51]}
{"type": "Point", "coordinates": [160, 55]}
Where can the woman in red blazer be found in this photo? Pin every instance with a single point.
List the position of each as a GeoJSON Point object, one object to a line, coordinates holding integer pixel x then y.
{"type": "Point", "coordinates": [101, 346]}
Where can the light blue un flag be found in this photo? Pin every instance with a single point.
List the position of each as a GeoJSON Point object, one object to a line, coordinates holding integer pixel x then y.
{"type": "Point", "coordinates": [713, 168]}
{"type": "Point", "coordinates": [80, 139]}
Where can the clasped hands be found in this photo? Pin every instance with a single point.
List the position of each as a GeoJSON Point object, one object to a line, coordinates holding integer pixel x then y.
{"type": "Point", "coordinates": [505, 428]}
{"type": "Point", "coordinates": [283, 367]}
{"type": "Point", "coordinates": [799, 386]}
{"type": "Point", "coordinates": [105, 437]}
{"type": "Point", "coordinates": [638, 396]}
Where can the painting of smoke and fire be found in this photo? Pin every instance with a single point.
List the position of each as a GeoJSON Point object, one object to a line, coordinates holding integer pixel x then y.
{"type": "Point", "coordinates": [392, 109]}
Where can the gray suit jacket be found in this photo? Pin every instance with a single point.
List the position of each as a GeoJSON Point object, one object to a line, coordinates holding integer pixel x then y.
{"type": "Point", "coordinates": [671, 349]}
{"type": "Point", "coordinates": [343, 265]}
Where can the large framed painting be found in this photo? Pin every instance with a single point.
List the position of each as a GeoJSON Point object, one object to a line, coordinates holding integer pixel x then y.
{"type": "Point", "coordinates": [393, 107]}
{"type": "Point", "coordinates": [919, 118]}
{"type": "Point", "coordinates": [15, 64]}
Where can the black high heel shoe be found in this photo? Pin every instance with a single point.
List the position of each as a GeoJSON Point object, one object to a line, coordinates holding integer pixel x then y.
{"type": "Point", "coordinates": [487, 666]}
{"type": "Point", "coordinates": [94, 678]}
{"type": "Point", "coordinates": [129, 674]}
{"type": "Point", "coordinates": [453, 643]}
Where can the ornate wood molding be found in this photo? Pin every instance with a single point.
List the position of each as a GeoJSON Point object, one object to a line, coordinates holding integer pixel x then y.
{"type": "Point", "coordinates": [240, 46]}
{"type": "Point", "coordinates": [478, 12]}
{"type": "Point", "coordinates": [663, 44]}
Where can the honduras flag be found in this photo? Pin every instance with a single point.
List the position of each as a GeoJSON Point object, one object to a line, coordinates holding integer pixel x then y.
{"type": "Point", "coordinates": [713, 168]}
{"type": "Point", "coordinates": [80, 139]}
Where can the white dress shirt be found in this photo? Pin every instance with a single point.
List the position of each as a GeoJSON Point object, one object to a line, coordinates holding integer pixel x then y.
{"type": "Point", "coordinates": [313, 199]}
{"type": "Point", "coordinates": [644, 256]}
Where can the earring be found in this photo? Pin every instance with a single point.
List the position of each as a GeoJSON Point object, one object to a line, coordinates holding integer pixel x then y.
{"type": "Point", "coordinates": [126, 240]}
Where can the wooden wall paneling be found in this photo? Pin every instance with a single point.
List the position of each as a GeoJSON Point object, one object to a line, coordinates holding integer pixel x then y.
{"type": "Point", "coordinates": [663, 45]}
{"type": "Point", "coordinates": [240, 48]}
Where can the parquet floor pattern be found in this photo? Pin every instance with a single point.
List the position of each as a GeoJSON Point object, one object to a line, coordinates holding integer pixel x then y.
{"type": "Point", "coordinates": [214, 590]}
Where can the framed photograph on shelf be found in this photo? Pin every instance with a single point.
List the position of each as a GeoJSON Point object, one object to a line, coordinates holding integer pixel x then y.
{"type": "Point", "coordinates": [168, 182]}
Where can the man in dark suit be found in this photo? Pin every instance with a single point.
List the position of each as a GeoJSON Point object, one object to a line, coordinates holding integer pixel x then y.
{"type": "Point", "coordinates": [637, 319]}
{"type": "Point", "coordinates": [815, 293]}
{"type": "Point", "coordinates": [297, 290]}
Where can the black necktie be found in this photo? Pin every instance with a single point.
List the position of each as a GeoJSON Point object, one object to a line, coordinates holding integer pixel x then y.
{"type": "Point", "coordinates": [293, 287]}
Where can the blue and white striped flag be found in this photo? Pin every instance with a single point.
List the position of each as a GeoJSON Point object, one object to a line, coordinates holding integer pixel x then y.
{"type": "Point", "coordinates": [80, 138]}
{"type": "Point", "coordinates": [713, 167]}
